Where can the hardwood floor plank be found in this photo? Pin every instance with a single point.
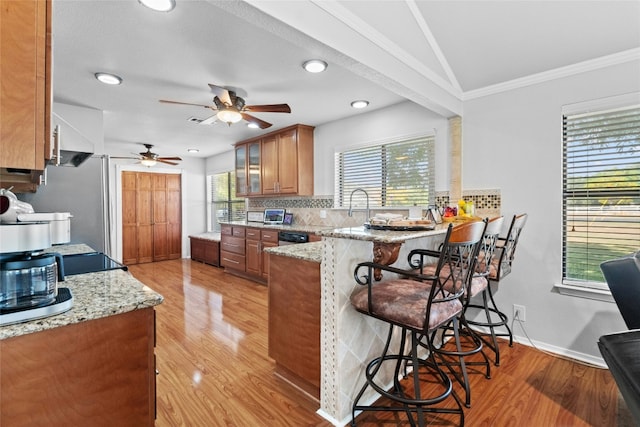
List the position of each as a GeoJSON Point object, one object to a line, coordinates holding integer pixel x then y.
{"type": "Point", "coordinates": [212, 354]}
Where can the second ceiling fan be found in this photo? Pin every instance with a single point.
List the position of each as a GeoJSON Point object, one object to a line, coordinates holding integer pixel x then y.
{"type": "Point", "coordinates": [231, 108]}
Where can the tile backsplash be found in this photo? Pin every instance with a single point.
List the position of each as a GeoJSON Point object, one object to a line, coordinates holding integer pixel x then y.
{"type": "Point", "coordinates": [319, 210]}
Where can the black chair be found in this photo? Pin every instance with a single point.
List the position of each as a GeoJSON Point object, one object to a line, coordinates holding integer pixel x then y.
{"type": "Point", "coordinates": [499, 268]}
{"type": "Point", "coordinates": [623, 277]}
{"type": "Point", "coordinates": [417, 304]}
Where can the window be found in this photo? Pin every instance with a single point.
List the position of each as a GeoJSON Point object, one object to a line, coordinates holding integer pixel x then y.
{"type": "Point", "coordinates": [224, 205]}
{"type": "Point", "coordinates": [601, 191]}
{"type": "Point", "coordinates": [393, 174]}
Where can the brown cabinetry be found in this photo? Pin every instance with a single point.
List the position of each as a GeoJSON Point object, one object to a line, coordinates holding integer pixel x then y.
{"type": "Point", "coordinates": [248, 165]}
{"type": "Point", "coordinates": [282, 163]}
{"type": "Point", "coordinates": [25, 98]}
{"type": "Point", "coordinates": [205, 250]}
{"type": "Point", "coordinates": [232, 248]}
{"type": "Point", "coordinates": [294, 293]}
{"type": "Point", "coordinates": [151, 217]}
{"type": "Point", "coordinates": [98, 372]}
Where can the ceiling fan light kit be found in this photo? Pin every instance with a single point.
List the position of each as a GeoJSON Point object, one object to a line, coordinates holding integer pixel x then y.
{"type": "Point", "coordinates": [109, 79]}
{"type": "Point", "coordinates": [230, 108]}
{"type": "Point", "coordinates": [314, 65]}
{"type": "Point", "coordinates": [148, 162]}
{"type": "Point", "coordinates": [159, 5]}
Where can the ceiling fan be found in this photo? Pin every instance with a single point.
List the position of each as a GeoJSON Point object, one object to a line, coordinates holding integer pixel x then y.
{"type": "Point", "coordinates": [231, 108]}
{"type": "Point", "coordinates": [147, 158]}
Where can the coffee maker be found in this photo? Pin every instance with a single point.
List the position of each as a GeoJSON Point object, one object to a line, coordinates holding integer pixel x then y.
{"type": "Point", "coordinates": [28, 276]}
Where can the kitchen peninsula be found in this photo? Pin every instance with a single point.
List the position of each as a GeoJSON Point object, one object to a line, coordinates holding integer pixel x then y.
{"type": "Point", "coordinates": [348, 340]}
{"type": "Point", "coordinates": [92, 365]}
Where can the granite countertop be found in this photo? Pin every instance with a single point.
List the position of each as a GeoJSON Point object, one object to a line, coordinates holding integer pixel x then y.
{"type": "Point", "coordinates": [382, 236]}
{"type": "Point", "coordinates": [313, 229]}
{"type": "Point", "coordinates": [95, 295]}
{"type": "Point", "coordinates": [304, 251]}
{"type": "Point", "coordinates": [70, 249]}
{"type": "Point", "coordinates": [214, 236]}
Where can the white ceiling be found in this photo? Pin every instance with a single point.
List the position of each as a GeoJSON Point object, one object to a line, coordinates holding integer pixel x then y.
{"type": "Point", "coordinates": [434, 53]}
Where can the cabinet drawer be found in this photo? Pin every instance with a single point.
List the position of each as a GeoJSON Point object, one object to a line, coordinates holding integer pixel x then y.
{"type": "Point", "coordinates": [232, 244]}
{"type": "Point", "coordinates": [252, 234]}
{"type": "Point", "coordinates": [232, 261]}
{"type": "Point", "coordinates": [238, 231]}
{"type": "Point", "coordinates": [269, 236]}
{"type": "Point", "coordinates": [226, 230]}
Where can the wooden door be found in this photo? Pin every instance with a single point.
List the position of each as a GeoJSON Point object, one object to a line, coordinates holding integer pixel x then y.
{"type": "Point", "coordinates": [160, 223]}
{"type": "Point", "coordinates": [174, 216]}
{"type": "Point", "coordinates": [129, 218]}
{"type": "Point", "coordinates": [151, 217]}
{"type": "Point", "coordinates": [270, 165]}
{"type": "Point", "coordinates": [288, 162]}
{"type": "Point", "coordinates": [144, 215]}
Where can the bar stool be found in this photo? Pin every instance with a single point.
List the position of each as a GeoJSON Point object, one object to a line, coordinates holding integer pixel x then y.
{"type": "Point", "coordinates": [466, 341]}
{"type": "Point", "coordinates": [417, 304]}
{"type": "Point", "coordinates": [499, 268]}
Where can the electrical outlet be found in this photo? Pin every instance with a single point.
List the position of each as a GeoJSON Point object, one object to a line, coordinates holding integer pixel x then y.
{"type": "Point", "coordinates": [519, 312]}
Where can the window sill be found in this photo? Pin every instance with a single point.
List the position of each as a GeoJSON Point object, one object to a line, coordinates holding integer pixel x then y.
{"type": "Point", "coordinates": [584, 292]}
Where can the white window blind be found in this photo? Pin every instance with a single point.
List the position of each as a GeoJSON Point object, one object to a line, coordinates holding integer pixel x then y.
{"type": "Point", "coordinates": [224, 204]}
{"type": "Point", "coordinates": [394, 174]}
{"type": "Point", "coordinates": [601, 191]}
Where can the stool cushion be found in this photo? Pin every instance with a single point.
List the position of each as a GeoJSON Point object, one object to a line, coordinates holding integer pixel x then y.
{"type": "Point", "coordinates": [478, 283]}
{"type": "Point", "coordinates": [404, 302]}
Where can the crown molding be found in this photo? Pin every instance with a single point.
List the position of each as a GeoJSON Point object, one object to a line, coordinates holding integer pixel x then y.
{"type": "Point", "coordinates": [570, 70]}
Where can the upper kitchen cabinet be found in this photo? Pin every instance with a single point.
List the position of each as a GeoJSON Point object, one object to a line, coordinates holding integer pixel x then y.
{"type": "Point", "coordinates": [284, 165]}
{"type": "Point", "coordinates": [248, 162]}
{"type": "Point", "coordinates": [25, 98]}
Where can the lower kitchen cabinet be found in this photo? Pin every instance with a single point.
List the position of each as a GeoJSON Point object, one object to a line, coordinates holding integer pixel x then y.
{"type": "Point", "coordinates": [294, 321]}
{"type": "Point", "coordinates": [232, 248]}
{"type": "Point", "coordinates": [205, 250]}
{"type": "Point", "coordinates": [98, 372]}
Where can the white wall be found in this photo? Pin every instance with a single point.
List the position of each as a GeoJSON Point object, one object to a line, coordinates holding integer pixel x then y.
{"type": "Point", "coordinates": [393, 123]}
{"type": "Point", "coordinates": [513, 141]}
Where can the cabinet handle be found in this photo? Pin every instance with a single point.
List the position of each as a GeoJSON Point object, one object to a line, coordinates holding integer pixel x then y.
{"type": "Point", "coordinates": [231, 260]}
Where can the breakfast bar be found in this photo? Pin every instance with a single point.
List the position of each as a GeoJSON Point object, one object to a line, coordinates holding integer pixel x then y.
{"type": "Point", "coordinates": [349, 340]}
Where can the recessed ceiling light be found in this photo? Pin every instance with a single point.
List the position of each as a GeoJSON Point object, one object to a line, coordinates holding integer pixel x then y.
{"type": "Point", "coordinates": [193, 150]}
{"type": "Point", "coordinates": [159, 5]}
{"type": "Point", "coordinates": [252, 125]}
{"type": "Point", "coordinates": [314, 66]}
{"type": "Point", "coordinates": [109, 79]}
{"type": "Point", "coordinates": [359, 104]}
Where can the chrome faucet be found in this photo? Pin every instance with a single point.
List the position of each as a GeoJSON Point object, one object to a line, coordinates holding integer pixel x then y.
{"type": "Point", "coordinates": [351, 201]}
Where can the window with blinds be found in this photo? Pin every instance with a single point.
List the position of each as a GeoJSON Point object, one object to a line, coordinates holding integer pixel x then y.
{"type": "Point", "coordinates": [394, 174]}
{"type": "Point", "coordinates": [224, 204]}
{"type": "Point", "coordinates": [601, 191]}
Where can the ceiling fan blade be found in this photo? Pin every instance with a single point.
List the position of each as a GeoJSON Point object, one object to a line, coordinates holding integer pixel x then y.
{"type": "Point", "coordinates": [168, 158]}
{"type": "Point", "coordinates": [186, 103]}
{"type": "Point", "coordinates": [251, 119]}
{"type": "Point", "coordinates": [269, 108]}
{"type": "Point", "coordinates": [221, 93]}
{"type": "Point", "coordinates": [166, 162]}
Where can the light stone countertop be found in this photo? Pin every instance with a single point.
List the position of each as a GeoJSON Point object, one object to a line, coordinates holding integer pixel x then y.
{"type": "Point", "coordinates": [312, 229]}
{"type": "Point", "coordinates": [95, 295]}
{"type": "Point", "coordinates": [304, 251]}
{"type": "Point", "coordinates": [213, 236]}
{"type": "Point", "coordinates": [70, 249]}
{"type": "Point", "coordinates": [382, 236]}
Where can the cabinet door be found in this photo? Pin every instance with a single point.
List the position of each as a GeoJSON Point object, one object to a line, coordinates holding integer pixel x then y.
{"type": "Point", "coordinates": [129, 221]}
{"type": "Point", "coordinates": [160, 225]}
{"type": "Point", "coordinates": [23, 75]}
{"type": "Point", "coordinates": [288, 162]}
{"type": "Point", "coordinates": [270, 165]}
{"type": "Point", "coordinates": [241, 170]}
{"type": "Point", "coordinates": [174, 216]}
{"type": "Point", "coordinates": [144, 216]}
{"type": "Point", "coordinates": [254, 178]}
{"type": "Point", "coordinates": [253, 257]}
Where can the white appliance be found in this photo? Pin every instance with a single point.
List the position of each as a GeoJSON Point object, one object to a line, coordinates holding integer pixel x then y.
{"type": "Point", "coordinates": [59, 224]}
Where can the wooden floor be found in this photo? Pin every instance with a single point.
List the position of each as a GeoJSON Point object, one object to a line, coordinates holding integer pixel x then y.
{"type": "Point", "coordinates": [214, 370]}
